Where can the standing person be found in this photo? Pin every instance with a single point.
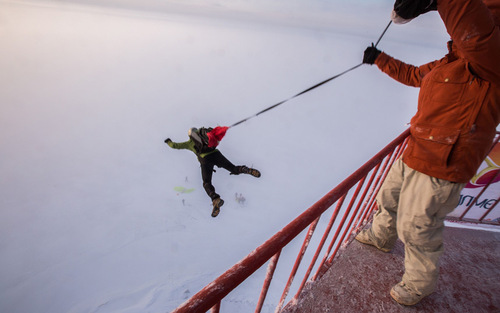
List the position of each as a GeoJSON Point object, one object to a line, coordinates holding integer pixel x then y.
{"type": "Point", "coordinates": [203, 142]}
{"type": "Point", "coordinates": [450, 135]}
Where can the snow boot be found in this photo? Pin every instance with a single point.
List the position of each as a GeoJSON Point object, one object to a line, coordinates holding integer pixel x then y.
{"type": "Point", "coordinates": [217, 203]}
{"type": "Point", "coordinates": [251, 171]}
{"type": "Point", "coordinates": [404, 295]}
{"type": "Point", "coordinates": [364, 237]}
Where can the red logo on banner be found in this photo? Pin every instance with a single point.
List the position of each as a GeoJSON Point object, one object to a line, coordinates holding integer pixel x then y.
{"type": "Point", "coordinates": [490, 173]}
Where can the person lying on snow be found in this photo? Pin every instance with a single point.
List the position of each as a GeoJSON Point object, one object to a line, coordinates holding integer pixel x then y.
{"type": "Point", "coordinates": [203, 143]}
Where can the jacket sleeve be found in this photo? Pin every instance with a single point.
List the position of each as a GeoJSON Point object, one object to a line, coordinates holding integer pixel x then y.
{"type": "Point", "coordinates": [473, 30]}
{"type": "Point", "coordinates": [407, 74]}
{"type": "Point", "coordinates": [179, 145]}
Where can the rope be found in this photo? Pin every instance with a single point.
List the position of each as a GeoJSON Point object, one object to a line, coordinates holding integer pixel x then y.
{"type": "Point", "coordinates": [311, 88]}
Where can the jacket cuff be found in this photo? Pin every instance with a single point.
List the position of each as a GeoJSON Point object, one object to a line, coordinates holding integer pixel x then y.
{"type": "Point", "coordinates": [382, 60]}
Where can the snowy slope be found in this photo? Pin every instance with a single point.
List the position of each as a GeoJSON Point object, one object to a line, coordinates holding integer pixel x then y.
{"type": "Point", "coordinates": [89, 218]}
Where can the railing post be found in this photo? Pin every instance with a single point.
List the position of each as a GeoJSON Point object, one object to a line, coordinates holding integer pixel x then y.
{"type": "Point", "coordinates": [489, 210]}
{"type": "Point", "coordinates": [320, 246]}
{"type": "Point", "coordinates": [385, 170]}
{"type": "Point", "coordinates": [307, 240]}
{"type": "Point", "coordinates": [359, 220]}
{"type": "Point", "coordinates": [215, 308]}
{"type": "Point", "coordinates": [267, 282]}
{"type": "Point", "coordinates": [346, 214]}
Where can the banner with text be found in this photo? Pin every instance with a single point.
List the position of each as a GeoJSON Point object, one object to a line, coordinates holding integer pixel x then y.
{"type": "Point", "coordinates": [488, 173]}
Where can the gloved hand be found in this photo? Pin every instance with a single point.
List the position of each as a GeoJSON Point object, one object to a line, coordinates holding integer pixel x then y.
{"type": "Point", "coordinates": [406, 10]}
{"type": "Point", "coordinates": [168, 141]}
{"type": "Point", "coordinates": [371, 54]}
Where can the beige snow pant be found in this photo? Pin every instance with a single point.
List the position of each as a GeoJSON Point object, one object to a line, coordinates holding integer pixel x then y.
{"type": "Point", "coordinates": [413, 206]}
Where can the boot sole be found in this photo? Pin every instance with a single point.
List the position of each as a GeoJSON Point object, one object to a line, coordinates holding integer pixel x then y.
{"type": "Point", "coordinates": [255, 173]}
{"type": "Point", "coordinates": [215, 212]}
{"type": "Point", "coordinates": [216, 209]}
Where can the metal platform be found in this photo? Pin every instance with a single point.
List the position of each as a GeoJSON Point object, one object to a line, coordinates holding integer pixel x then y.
{"type": "Point", "coordinates": [361, 277]}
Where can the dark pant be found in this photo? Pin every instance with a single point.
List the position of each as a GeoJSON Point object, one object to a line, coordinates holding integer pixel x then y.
{"type": "Point", "coordinates": [207, 168]}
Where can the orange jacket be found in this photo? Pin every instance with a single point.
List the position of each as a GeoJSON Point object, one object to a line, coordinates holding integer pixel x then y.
{"type": "Point", "coordinates": [459, 99]}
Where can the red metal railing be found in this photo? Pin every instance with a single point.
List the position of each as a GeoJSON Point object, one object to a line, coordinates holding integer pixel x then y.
{"type": "Point", "coordinates": [211, 295]}
{"type": "Point", "coordinates": [353, 217]}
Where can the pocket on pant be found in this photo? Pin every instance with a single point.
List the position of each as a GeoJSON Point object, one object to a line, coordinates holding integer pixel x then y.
{"type": "Point", "coordinates": [423, 231]}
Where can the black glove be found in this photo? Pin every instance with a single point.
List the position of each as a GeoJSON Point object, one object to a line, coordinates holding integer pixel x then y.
{"type": "Point", "coordinates": [409, 9]}
{"type": "Point", "coordinates": [371, 54]}
{"type": "Point", "coordinates": [167, 141]}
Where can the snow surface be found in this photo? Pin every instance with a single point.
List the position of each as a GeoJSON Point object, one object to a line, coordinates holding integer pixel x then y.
{"type": "Point", "coordinates": [89, 218]}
